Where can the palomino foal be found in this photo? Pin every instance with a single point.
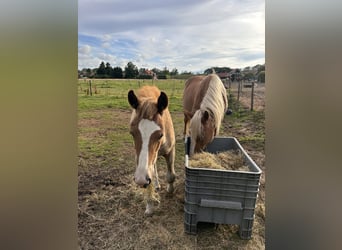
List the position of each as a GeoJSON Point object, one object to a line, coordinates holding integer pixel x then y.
{"type": "Point", "coordinates": [153, 134]}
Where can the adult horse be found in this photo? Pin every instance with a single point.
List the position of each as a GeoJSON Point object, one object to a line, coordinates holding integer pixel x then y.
{"type": "Point", "coordinates": [204, 105]}
{"type": "Point", "coordinates": [153, 134]}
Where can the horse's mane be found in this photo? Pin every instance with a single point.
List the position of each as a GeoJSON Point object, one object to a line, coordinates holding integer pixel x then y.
{"type": "Point", "coordinates": [196, 124]}
{"type": "Point", "coordinates": [214, 101]}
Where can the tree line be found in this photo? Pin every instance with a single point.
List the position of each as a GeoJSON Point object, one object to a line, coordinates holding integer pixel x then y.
{"type": "Point", "coordinates": [131, 71]}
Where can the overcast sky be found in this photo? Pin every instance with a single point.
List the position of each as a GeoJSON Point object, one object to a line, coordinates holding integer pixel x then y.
{"type": "Point", "coordinates": [190, 35]}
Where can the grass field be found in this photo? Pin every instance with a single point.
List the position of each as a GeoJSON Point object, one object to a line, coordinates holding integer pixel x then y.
{"type": "Point", "coordinates": [111, 207]}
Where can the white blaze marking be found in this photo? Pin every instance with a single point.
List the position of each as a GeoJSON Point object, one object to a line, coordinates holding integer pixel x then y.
{"type": "Point", "coordinates": [146, 128]}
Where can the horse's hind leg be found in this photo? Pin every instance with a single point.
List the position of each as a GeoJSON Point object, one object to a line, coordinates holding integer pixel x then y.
{"type": "Point", "coordinates": [170, 176]}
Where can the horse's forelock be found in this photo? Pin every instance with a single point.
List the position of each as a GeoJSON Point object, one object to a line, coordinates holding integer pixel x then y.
{"type": "Point", "coordinates": [148, 110]}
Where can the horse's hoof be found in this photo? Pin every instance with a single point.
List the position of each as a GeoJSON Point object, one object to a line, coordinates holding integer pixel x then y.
{"type": "Point", "coordinates": [170, 189]}
{"type": "Point", "coordinates": [149, 209]}
{"type": "Point", "coordinates": [148, 213]}
{"type": "Point", "coordinates": [157, 187]}
{"type": "Point", "coordinates": [229, 112]}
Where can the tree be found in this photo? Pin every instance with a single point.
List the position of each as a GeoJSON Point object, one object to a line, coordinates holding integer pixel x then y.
{"type": "Point", "coordinates": [117, 72]}
{"type": "Point", "coordinates": [165, 71]}
{"type": "Point", "coordinates": [131, 71]}
{"type": "Point", "coordinates": [208, 71]}
{"type": "Point", "coordinates": [142, 71]}
{"type": "Point", "coordinates": [155, 70]}
{"type": "Point", "coordinates": [248, 76]}
{"type": "Point", "coordinates": [217, 70]}
{"type": "Point", "coordinates": [108, 70]}
{"type": "Point", "coordinates": [164, 74]}
{"type": "Point", "coordinates": [261, 76]}
{"type": "Point", "coordinates": [101, 71]}
{"type": "Point", "coordinates": [174, 72]}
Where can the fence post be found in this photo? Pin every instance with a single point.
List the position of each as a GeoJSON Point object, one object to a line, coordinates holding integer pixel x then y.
{"type": "Point", "coordinates": [90, 91]}
{"type": "Point", "coordinates": [252, 96]}
{"type": "Point", "coordinates": [238, 97]}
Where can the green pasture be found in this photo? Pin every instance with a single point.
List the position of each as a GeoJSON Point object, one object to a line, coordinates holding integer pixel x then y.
{"type": "Point", "coordinates": [105, 114]}
{"type": "Point", "coordinates": [112, 93]}
{"type": "Point", "coordinates": [105, 135]}
{"type": "Point", "coordinates": [106, 164]}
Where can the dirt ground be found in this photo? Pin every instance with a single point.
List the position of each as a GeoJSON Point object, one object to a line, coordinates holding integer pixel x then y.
{"type": "Point", "coordinates": [111, 207]}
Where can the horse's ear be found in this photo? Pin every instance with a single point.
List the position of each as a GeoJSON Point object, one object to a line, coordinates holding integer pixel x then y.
{"type": "Point", "coordinates": [132, 99]}
{"type": "Point", "coordinates": [163, 101]}
{"type": "Point", "coordinates": [205, 117]}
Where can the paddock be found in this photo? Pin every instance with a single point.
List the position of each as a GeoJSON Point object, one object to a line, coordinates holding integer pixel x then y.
{"type": "Point", "coordinates": [110, 205]}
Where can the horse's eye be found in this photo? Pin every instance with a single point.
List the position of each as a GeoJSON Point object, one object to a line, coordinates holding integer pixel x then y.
{"type": "Point", "coordinates": [161, 135]}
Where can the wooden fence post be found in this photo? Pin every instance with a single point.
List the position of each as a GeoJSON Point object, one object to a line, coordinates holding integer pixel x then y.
{"type": "Point", "coordinates": [238, 97]}
{"type": "Point", "coordinates": [252, 96]}
{"type": "Point", "coordinates": [90, 91]}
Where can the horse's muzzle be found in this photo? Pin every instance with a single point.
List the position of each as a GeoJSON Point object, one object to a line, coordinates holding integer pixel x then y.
{"type": "Point", "coordinates": [143, 182]}
{"type": "Point", "coordinates": [148, 183]}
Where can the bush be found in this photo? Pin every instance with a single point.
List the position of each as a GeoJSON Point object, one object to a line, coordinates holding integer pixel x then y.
{"type": "Point", "coordinates": [162, 76]}
{"type": "Point", "coordinates": [261, 76]}
{"type": "Point", "coordinates": [144, 77]}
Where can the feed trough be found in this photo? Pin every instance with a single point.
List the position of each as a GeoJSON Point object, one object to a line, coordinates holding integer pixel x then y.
{"type": "Point", "coordinates": [221, 196]}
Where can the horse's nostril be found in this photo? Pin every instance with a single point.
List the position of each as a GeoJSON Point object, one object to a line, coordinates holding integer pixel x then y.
{"type": "Point", "coordinates": [149, 182]}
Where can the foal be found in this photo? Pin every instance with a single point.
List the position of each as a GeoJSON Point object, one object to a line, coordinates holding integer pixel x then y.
{"type": "Point", "coordinates": [153, 134]}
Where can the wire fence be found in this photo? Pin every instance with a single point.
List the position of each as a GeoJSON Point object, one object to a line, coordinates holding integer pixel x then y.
{"type": "Point", "coordinates": [249, 94]}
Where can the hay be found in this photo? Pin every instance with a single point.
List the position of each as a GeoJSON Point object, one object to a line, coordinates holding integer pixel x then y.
{"type": "Point", "coordinates": [204, 160]}
{"type": "Point", "coordinates": [227, 160]}
{"type": "Point", "coordinates": [151, 195]}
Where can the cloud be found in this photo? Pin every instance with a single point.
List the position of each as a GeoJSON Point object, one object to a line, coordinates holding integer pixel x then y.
{"type": "Point", "coordinates": [86, 49]}
{"type": "Point", "coordinates": [187, 35]}
{"type": "Point", "coordinates": [106, 45]}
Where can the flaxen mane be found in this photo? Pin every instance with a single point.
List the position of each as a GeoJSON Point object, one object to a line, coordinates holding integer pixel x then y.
{"type": "Point", "coordinates": [214, 101]}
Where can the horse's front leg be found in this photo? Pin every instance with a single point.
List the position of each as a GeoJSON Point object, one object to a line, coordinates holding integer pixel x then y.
{"type": "Point", "coordinates": [151, 203]}
{"type": "Point", "coordinates": [156, 179]}
{"type": "Point", "coordinates": [170, 175]}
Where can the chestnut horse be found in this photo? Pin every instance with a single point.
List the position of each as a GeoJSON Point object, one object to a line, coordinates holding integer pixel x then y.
{"type": "Point", "coordinates": [204, 104]}
{"type": "Point", "coordinates": [153, 134]}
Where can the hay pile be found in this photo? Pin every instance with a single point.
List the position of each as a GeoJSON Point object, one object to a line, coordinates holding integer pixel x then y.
{"type": "Point", "coordinates": [227, 160]}
{"type": "Point", "coordinates": [150, 194]}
